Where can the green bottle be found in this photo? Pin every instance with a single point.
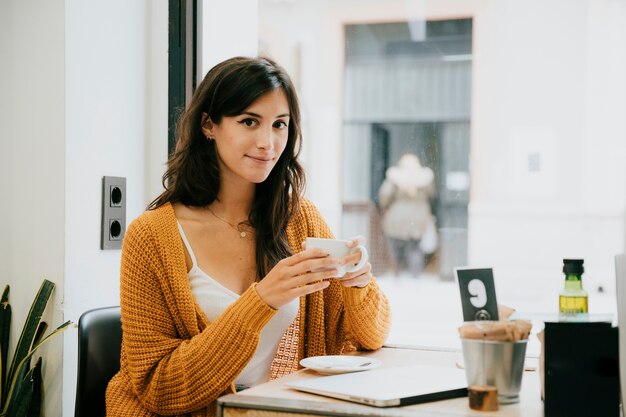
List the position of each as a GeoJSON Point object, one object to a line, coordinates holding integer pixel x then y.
{"type": "Point", "coordinates": [572, 298]}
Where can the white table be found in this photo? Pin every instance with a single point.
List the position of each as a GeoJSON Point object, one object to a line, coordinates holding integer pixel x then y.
{"type": "Point", "coordinates": [273, 399]}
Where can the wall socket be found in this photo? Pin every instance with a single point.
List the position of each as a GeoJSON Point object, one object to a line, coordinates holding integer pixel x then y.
{"type": "Point", "coordinates": [113, 212]}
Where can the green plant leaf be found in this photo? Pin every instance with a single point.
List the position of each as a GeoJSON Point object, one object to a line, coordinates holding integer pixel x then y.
{"type": "Point", "coordinates": [25, 341]}
{"type": "Point", "coordinates": [21, 387]}
{"type": "Point", "coordinates": [20, 397]}
{"type": "Point", "coordinates": [41, 329]}
{"type": "Point", "coordinates": [24, 363]}
{"type": "Point", "coordinates": [5, 331]}
{"type": "Point", "coordinates": [56, 331]}
{"type": "Point", "coordinates": [35, 403]}
{"type": "Point", "coordinates": [16, 387]}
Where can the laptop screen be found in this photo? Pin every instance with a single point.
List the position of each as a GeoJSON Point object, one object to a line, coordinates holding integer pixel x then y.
{"type": "Point", "coordinates": [390, 386]}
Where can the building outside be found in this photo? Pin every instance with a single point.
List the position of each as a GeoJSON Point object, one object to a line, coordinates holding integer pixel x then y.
{"type": "Point", "coordinates": [515, 105]}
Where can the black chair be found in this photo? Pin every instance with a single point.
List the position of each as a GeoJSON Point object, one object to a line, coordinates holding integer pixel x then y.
{"type": "Point", "coordinates": [99, 344]}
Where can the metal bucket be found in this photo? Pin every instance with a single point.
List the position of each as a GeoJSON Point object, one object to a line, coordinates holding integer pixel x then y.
{"type": "Point", "coordinates": [500, 364]}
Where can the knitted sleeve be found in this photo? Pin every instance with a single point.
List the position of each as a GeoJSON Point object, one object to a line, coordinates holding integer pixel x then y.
{"type": "Point", "coordinates": [171, 371]}
{"type": "Point", "coordinates": [354, 318]}
{"type": "Point", "coordinates": [368, 316]}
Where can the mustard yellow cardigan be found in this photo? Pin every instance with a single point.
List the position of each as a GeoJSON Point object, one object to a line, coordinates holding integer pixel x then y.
{"type": "Point", "coordinates": [174, 362]}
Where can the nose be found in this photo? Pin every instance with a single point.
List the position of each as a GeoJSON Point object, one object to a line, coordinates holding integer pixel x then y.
{"type": "Point", "coordinates": [265, 139]}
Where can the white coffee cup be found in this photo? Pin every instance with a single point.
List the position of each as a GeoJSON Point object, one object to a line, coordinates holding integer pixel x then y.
{"type": "Point", "coordinates": [338, 249]}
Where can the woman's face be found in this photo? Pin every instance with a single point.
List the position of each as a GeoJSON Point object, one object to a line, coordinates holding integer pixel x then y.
{"type": "Point", "coordinates": [249, 145]}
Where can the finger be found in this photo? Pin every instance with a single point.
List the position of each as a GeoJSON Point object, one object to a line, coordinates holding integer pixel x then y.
{"type": "Point", "coordinates": [367, 268]}
{"type": "Point", "coordinates": [358, 278]}
{"type": "Point", "coordinates": [352, 259]}
{"type": "Point", "coordinates": [311, 277]}
{"type": "Point", "coordinates": [311, 288]}
{"type": "Point", "coordinates": [356, 240]}
{"type": "Point", "coordinates": [304, 255]}
{"type": "Point", "coordinates": [315, 264]}
{"type": "Point", "coordinates": [358, 281]}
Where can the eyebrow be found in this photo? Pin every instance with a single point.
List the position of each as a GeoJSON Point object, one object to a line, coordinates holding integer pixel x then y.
{"type": "Point", "coordinates": [260, 117]}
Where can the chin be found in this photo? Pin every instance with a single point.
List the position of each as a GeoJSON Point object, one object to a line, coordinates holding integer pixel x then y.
{"type": "Point", "coordinates": [258, 179]}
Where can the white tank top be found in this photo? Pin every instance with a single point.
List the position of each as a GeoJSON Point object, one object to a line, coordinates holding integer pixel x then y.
{"type": "Point", "coordinates": [213, 298]}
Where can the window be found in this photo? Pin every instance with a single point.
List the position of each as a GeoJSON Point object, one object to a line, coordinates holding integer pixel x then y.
{"type": "Point", "coordinates": [517, 108]}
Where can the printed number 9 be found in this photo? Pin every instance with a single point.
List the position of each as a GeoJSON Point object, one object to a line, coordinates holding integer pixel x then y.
{"type": "Point", "coordinates": [477, 288]}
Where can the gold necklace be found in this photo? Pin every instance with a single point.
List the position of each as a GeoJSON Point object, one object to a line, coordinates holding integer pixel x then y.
{"type": "Point", "coordinates": [240, 228]}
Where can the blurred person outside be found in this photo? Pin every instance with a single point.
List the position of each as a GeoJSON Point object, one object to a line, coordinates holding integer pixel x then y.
{"type": "Point", "coordinates": [407, 218]}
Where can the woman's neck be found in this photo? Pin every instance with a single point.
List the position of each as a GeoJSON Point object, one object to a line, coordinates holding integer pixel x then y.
{"type": "Point", "coordinates": [235, 201]}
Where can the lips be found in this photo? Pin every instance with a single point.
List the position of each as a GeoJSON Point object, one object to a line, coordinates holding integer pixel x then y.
{"type": "Point", "coordinates": [261, 159]}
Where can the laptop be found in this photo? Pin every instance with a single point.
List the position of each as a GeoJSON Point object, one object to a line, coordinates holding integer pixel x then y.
{"type": "Point", "coordinates": [388, 387]}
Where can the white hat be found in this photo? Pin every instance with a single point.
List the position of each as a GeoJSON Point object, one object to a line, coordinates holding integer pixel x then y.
{"type": "Point", "coordinates": [409, 173]}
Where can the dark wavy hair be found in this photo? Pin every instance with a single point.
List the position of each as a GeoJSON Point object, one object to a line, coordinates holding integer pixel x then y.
{"type": "Point", "coordinates": [192, 175]}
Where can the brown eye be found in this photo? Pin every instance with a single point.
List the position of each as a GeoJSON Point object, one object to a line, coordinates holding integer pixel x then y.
{"type": "Point", "coordinates": [249, 122]}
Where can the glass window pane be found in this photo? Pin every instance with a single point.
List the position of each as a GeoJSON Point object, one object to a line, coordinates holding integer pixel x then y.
{"type": "Point", "coordinates": [516, 107]}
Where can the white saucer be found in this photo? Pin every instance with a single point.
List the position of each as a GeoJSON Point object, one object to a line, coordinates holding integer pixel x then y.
{"type": "Point", "coordinates": [339, 364]}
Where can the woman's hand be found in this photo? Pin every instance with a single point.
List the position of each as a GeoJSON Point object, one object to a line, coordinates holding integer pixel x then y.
{"type": "Point", "coordinates": [292, 277]}
{"type": "Point", "coordinates": [361, 277]}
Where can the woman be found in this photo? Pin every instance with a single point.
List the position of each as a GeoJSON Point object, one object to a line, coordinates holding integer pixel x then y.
{"type": "Point", "coordinates": [408, 221]}
{"type": "Point", "coordinates": [215, 290]}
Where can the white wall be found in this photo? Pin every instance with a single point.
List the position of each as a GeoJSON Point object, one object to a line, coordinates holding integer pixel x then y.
{"type": "Point", "coordinates": [229, 28]}
{"type": "Point", "coordinates": [84, 95]}
{"type": "Point", "coordinates": [560, 94]}
{"type": "Point", "coordinates": [116, 118]}
{"type": "Point", "coordinates": [32, 164]}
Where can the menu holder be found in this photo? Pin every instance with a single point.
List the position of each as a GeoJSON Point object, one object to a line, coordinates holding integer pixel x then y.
{"type": "Point", "coordinates": [478, 294]}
